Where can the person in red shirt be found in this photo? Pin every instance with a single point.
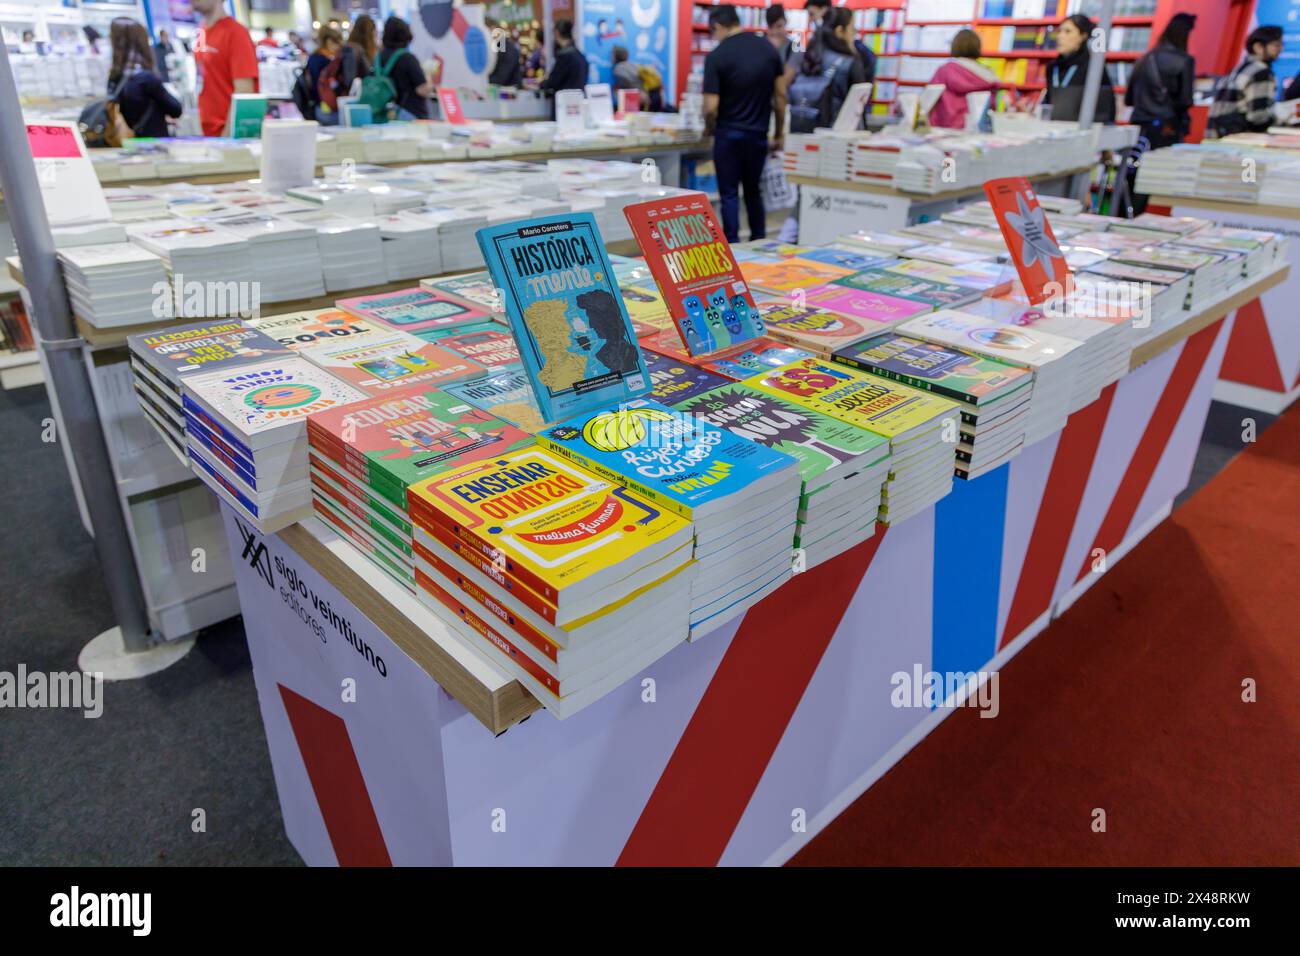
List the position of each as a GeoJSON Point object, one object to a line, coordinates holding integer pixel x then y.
{"type": "Point", "coordinates": [227, 63]}
{"type": "Point", "coordinates": [269, 39]}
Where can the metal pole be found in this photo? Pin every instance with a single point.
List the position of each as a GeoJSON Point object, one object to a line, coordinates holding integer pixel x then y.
{"type": "Point", "coordinates": [548, 34]}
{"type": "Point", "coordinates": [1096, 63]}
{"type": "Point", "coordinates": [69, 378]}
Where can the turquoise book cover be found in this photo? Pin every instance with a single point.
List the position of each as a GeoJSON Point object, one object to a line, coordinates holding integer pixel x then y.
{"type": "Point", "coordinates": [561, 298]}
{"type": "Point", "coordinates": [679, 461]}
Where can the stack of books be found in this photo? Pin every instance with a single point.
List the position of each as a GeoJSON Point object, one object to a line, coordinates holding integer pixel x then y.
{"type": "Point", "coordinates": [246, 434]}
{"type": "Point", "coordinates": [474, 289]}
{"type": "Point", "coordinates": [878, 243]}
{"type": "Point", "coordinates": [1054, 359]}
{"type": "Point", "coordinates": [285, 256]}
{"type": "Point", "coordinates": [735, 362]}
{"type": "Point", "coordinates": [455, 227]}
{"type": "Point", "coordinates": [922, 429]}
{"type": "Point", "coordinates": [1118, 282]}
{"type": "Point", "coordinates": [741, 497]}
{"type": "Point", "coordinates": [674, 381]}
{"type": "Point", "coordinates": [200, 252]}
{"type": "Point", "coordinates": [572, 583]}
{"type": "Point", "coordinates": [162, 359]}
{"type": "Point", "coordinates": [819, 331]}
{"type": "Point", "coordinates": [993, 395]}
{"type": "Point", "coordinates": [115, 284]}
{"type": "Point", "coordinates": [1211, 274]}
{"type": "Point", "coordinates": [366, 455]}
{"type": "Point", "coordinates": [351, 251]}
{"type": "Point", "coordinates": [1258, 248]}
{"type": "Point", "coordinates": [410, 247]}
{"type": "Point", "coordinates": [842, 467]}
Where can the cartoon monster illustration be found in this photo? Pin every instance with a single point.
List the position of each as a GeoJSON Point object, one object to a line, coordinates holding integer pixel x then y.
{"type": "Point", "coordinates": [693, 329]}
{"type": "Point", "coordinates": [606, 320]}
{"type": "Point", "coordinates": [546, 322]}
{"type": "Point", "coordinates": [718, 299]}
{"type": "Point", "coordinates": [744, 314]}
{"type": "Point", "coordinates": [713, 318]}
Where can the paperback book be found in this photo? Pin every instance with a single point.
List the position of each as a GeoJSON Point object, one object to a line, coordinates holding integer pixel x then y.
{"type": "Point", "coordinates": [508, 396]}
{"type": "Point", "coordinates": [414, 311]}
{"type": "Point", "coordinates": [703, 288]}
{"type": "Point", "coordinates": [389, 360]}
{"type": "Point", "coordinates": [576, 342]}
{"type": "Point", "coordinates": [488, 343]}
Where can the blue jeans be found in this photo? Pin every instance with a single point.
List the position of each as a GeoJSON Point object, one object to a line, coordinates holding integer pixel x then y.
{"type": "Point", "coordinates": [738, 158]}
{"type": "Point", "coordinates": [324, 117]}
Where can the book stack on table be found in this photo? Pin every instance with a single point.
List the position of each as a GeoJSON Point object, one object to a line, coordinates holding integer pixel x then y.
{"type": "Point", "coordinates": [114, 284]}
{"type": "Point", "coordinates": [162, 360]}
{"type": "Point", "coordinates": [246, 435]}
{"type": "Point", "coordinates": [741, 497]}
{"type": "Point", "coordinates": [993, 395]}
{"type": "Point", "coordinates": [364, 457]}
{"type": "Point", "coordinates": [922, 454]}
{"type": "Point", "coordinates": [1054, 359]}
{"type": "Point", "coordinates": [842, 467]}
{"type": "Point", "coordinates": [571, 582]}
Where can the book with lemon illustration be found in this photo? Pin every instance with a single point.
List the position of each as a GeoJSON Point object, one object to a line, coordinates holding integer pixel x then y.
{"type": "Point", "coordinates": [577, 540]}
{"type": "Point", "coordinates": [742, 496]}
{"type": "Point", "coordinates": [687, 465]}
{"type": "Point", "coordinates": [576, 342]}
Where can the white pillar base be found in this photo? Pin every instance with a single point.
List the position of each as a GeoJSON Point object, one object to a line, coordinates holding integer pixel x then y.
{"type": "Point", "coordinates": [106, 654]}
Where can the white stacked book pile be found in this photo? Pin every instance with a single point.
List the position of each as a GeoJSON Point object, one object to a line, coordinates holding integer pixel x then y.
{"type": "Point", "coordinates": [455, 227]}
{"type": "Point", "coordinates": [115, 284]}
{"type": "Point", "coordinates": [284, 253]}
{"type": "Point", "coordinates": [1054, 359]}
{"type": "Point", "coordinates": [1173, 171]}
{"type": "Point", "coordinates": [409, 247]}
{"type": "Point", "coordinates": [1212, 274]}
{"type": "Point", "coordinates": [1259, 249]}
{"type": "Point", "coordinates": [1223, 176]}
{"type": "Point", "coordinates": [880, 243]}
{"type": "Point", "coordinates": [246, 435]}
{"type": "Point", "coordinates": [1157, 229]}
{"type": "Point", "coordinates": [199, 251]}
{"type": "Point", "coordinates": [339, 197]}
{"type": "Point", "coordinates": [135, 205]}
{"type": "Point", "coordinates": [88, 234]}
{"type": "Point", "coordinates": [1161, 293]}
{"type": "Point", "coordinates": [351, 251]}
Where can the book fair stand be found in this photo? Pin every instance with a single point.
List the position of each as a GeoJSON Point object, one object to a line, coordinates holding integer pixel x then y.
{"type": "Point", "coordinates": [566, 532]}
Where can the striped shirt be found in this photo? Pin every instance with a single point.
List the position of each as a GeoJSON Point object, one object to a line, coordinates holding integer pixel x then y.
{"type": "Point", "coordinates": [1244, 101]}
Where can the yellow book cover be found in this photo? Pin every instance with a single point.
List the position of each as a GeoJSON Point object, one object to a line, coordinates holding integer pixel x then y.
{"type": "Point", "coordinates": [790, 274]}
{"type": "Point", "coordinates": [646, 305]}
{"type": "Point", "coordinates": [867, 401]}
{"type": "Point", "coordinates": [553, 523]}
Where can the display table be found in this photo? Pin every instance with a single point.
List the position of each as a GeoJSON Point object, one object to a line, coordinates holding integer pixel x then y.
{"type": "Point", "coordinates": [1261, 370]}
{"type": "Point", "coordinates": [830, 208]}
{"type": "Point", "coordinates": [393, 741]}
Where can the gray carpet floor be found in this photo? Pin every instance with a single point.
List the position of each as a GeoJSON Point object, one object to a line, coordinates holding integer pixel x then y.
{"type": "Point", "coordinates": [121, 789]}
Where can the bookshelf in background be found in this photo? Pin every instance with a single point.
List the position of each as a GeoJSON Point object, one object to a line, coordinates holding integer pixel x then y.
{"type": "Point", "coordinates": [878, 23]}
{"type": "Point", "coordinates": [1017, 36]}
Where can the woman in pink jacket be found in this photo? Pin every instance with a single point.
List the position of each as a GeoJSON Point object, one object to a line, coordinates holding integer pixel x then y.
{"type": "Point", "coordinates": [959, 76]}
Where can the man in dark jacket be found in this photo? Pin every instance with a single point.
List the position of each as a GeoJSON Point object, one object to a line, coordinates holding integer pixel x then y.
{"type": "Point", "coordinates": [570, 70]}
{"type": "Point", "coordinates": [509, 67]}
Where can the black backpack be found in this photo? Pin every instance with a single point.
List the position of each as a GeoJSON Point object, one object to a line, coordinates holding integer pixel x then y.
{"type": "Point", "coordinates": [304, 97]}
{"type": "Point", "coordinates": [812, 97]}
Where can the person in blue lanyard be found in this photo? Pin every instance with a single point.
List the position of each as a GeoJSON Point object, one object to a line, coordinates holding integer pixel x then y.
{"type": "Point", "coordinates": [1068, 72]}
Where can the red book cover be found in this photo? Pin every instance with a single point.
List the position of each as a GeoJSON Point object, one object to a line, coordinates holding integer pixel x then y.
{"type": "Point", "coordinates": [1039, 261]}
{"type": "Point", "coordinates": [699, 279]}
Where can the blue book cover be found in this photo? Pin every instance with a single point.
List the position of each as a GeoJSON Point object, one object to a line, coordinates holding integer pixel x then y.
{"type": "Point", "coordinates": [575, 338]}
{"type": "Point", "coordinates": [675, 381]}
{"type": "Point", "coordinates": [848, 258]}
{"type": "Point", "coordinates": [679, 461]}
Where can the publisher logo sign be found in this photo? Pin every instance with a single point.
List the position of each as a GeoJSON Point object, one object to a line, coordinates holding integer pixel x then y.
{"type": "Point", "coordinates": [255, 553]}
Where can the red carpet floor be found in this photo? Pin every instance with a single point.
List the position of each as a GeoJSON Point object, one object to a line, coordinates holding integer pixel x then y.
{"type": "Point", "coordinates": [1131, 702]}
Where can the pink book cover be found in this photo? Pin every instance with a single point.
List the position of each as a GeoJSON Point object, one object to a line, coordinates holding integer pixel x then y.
{"type": "Point", "coordinates": [886, 310]}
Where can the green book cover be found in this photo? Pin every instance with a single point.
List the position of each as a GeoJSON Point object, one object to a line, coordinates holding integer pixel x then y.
{"type": "Point", "coordinates": [408, 435]}
{"type": "Point", "coordinates": [936, 368]}
{"type": "Point", "coordinates": [819, 443]}
{"type": "Point", "coordinates": [937, 295]}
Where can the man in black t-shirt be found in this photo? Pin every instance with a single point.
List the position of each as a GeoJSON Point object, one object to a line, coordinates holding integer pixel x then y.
{"type": "Point", "coordinates": [744, 83]}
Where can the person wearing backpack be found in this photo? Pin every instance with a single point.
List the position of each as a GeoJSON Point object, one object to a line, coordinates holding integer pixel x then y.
{"type": "Point", "coordinates": [134, 85]}
{"type": "Point", "coordinates": [344, 66]}
{"type": "Point", "coordinates": [744, 84]}
{"type": "Point", "coordinates": [1160, 90]}
{"type": "Point", "coordinates": [397, 78]}
{"type": "Point", "coordinates": [826, 71]}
